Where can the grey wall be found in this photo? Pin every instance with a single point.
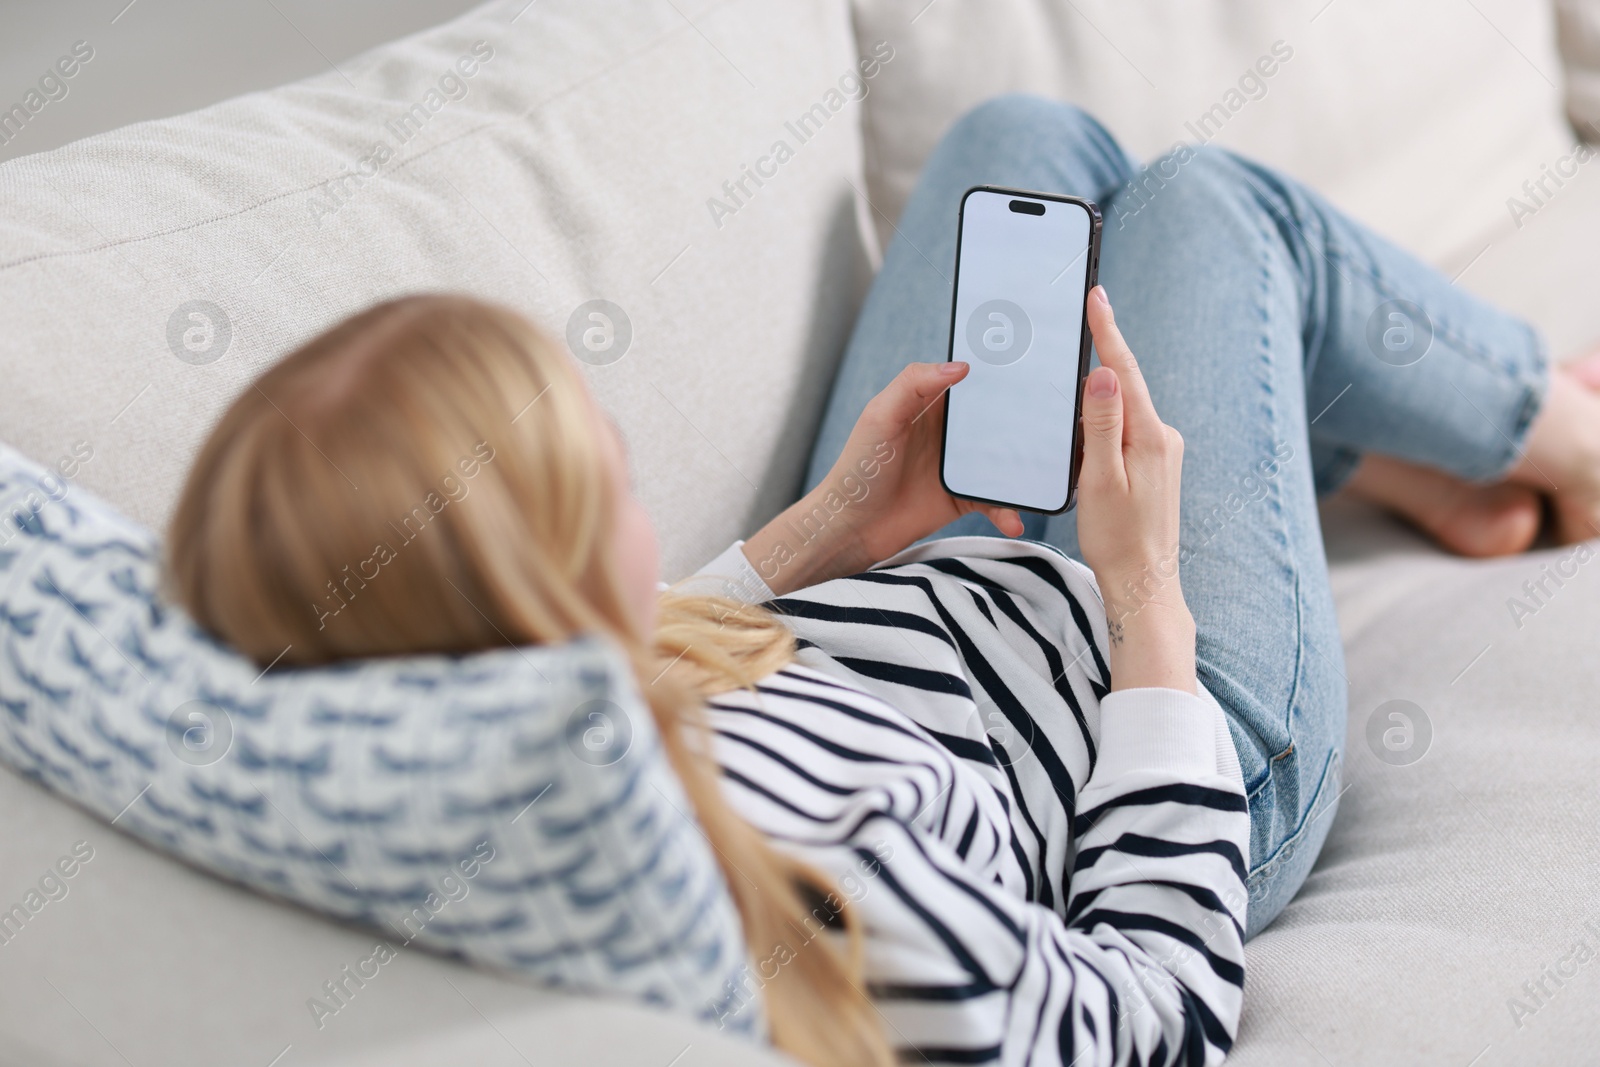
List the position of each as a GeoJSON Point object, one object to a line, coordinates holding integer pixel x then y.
{"type": "Point", "coordinates": [162, 57]}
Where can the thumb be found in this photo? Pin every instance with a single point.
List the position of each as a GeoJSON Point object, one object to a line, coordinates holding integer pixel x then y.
{"type": "Point", "coordinates": [912, 393]}
{"type": "Point", "coordinates": [1102, 425]}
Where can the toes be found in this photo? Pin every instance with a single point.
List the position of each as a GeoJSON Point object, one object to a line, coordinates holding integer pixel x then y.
{"type": "Point", "coordinates": [1574, 524]}
{"type": "Point", "coordinates": [1499, 520]}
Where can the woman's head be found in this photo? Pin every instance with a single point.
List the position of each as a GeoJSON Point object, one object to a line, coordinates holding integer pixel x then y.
{"type": "Point", "coordinates": [432, 475]}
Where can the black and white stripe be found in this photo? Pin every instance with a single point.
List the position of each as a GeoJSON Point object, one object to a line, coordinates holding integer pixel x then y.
{"type": "Point", "coordinates": [1035, 887]}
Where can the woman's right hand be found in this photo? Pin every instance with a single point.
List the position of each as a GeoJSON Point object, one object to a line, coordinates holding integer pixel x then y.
{"type": "Point", "coordinates": [1128, 525]}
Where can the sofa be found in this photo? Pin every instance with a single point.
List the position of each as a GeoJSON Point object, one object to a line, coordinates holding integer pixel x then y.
{"type": "Point", "coordinates": [602, 150]}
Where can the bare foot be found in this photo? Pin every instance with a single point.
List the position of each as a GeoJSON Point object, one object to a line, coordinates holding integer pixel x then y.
{"type": "Point", "coordinates": [1562, 454]}
{"type": "Point", "coordinates": [1469, 520]}
{"type": "Point", "coordinates": [1578, 523]}
{"type": "Point", "coordinates": [1586, 369]}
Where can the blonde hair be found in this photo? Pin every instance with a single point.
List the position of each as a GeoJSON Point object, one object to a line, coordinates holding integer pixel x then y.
{"type": "Point", "coordinates": [326, 518]}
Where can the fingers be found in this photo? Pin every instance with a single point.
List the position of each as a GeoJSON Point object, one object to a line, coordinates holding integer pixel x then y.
{"type": "Point", "coordinates": [1007, 520]}
{"type": "Point", "coordinates": [1115, 354]}
{"type": "Point", "coordinates": [1102, 427]}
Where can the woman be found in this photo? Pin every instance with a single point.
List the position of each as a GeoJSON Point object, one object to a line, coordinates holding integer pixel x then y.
{"type": "Point", "coordinates": [984, 801]}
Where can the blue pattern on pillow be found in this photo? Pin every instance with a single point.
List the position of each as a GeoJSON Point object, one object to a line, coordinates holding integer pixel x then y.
{"type": "Point", "coordinates": [512, 807]}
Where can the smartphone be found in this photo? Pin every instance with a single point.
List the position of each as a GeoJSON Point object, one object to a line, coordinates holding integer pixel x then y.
{"type": "Point", "coordinates": [1025, 263]}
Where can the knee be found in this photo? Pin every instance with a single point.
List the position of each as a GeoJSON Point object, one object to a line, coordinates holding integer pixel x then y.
{"type": "Point", "coordinates": [1016, 123]}
{"type": "Point", "coordinates": [1202, 182]}
{"type": "Point", "coordinates": [1187, 179]}
{"type": "Point", "coordinates": [1208, 165]}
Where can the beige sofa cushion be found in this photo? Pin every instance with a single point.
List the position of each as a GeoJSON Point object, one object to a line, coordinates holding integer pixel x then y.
{"type": "Point", "coordinates": [561, 171]}
{"type": "Point", "coordinates": [1578, 34]}
{"type": "Point", "coordinates": [1420, 117]}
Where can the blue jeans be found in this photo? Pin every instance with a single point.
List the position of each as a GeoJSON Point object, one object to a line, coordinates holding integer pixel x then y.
{"type": "Point", "coordinates": [1267, 328]}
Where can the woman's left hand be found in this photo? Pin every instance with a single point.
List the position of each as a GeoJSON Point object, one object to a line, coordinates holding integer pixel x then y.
{"type": "Point", "coordinates": [882, 494]}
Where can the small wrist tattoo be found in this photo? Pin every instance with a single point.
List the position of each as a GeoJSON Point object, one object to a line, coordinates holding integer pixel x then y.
{"type": "Point", "coordinates": [1114, 628]}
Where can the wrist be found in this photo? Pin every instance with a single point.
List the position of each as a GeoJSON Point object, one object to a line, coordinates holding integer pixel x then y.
{"type": "Point", "coordinates": [1152, 645]}
{"type": "Point", "coordinates": [805, 544]}
{"type": "Point", "coordinates": [1129, 588]}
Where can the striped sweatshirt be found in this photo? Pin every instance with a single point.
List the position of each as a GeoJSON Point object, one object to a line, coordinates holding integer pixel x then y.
{"type": "Point", "coordinates": [1046, 872]}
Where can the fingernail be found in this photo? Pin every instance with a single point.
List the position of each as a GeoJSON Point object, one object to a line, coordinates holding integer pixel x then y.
{"type": "Point", "coordinates": [1102, 384]}
{"type": "Point", "coordinates": [1099, 294]}
{"type": "Point", "coordinates": [952, 368]}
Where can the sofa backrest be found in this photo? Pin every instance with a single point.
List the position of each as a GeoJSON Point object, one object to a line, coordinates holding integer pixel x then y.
{"type": "Point", "coordinates": [1421, 118]}
{"type": "Point", "coordinates": [543, 155]}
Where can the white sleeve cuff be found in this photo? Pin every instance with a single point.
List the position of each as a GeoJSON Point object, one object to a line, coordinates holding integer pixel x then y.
{"type": "Point", "coordinates": [729, 575]}
{"type": "Point", "coordinates": [1163, 730]}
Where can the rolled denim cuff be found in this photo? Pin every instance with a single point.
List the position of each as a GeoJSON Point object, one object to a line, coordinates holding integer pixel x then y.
{"type": "Point", "coordinates": [1529, 386]}
{"type": "Point", "coordinates": [1331, 466]}
{"type": "Point", "coordinates": [1480, 427]}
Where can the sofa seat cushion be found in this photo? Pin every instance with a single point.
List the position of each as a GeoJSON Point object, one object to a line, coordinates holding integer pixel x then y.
{"type": "Point", "coordinates": [137, 959]}
{"type": "Point", "coordinates": [1463, 867]}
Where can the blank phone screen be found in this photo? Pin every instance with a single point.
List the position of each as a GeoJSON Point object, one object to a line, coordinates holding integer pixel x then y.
{"type": "Point", "coordinates": [1020, 283]}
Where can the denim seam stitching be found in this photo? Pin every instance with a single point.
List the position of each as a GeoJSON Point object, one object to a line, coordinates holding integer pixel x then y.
{"type": "Point", "coordinates": [1277, 494]}
{"type": "Point", "coordinates": [1265, 353]}
{"type": "Point", "coordinates": [1526, 408]}
{"type": "Point", "coordinates": [1534, 391]}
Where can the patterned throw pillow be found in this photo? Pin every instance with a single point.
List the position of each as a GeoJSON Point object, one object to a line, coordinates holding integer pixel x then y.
{"type": "Point", "coordinates": [512, 807]}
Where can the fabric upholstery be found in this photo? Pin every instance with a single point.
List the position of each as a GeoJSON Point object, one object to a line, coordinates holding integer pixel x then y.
{"type": "Point", "coordinates": [1578, 24]}
{"type": "Point", "coordinates": [172, 966]}
{"type": "Point", "coordinates": [1418, 118]}
{"type": "Point", "coordinates": [561, 172]}
{"type": "Point", "coordinates": [1466, 864]}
